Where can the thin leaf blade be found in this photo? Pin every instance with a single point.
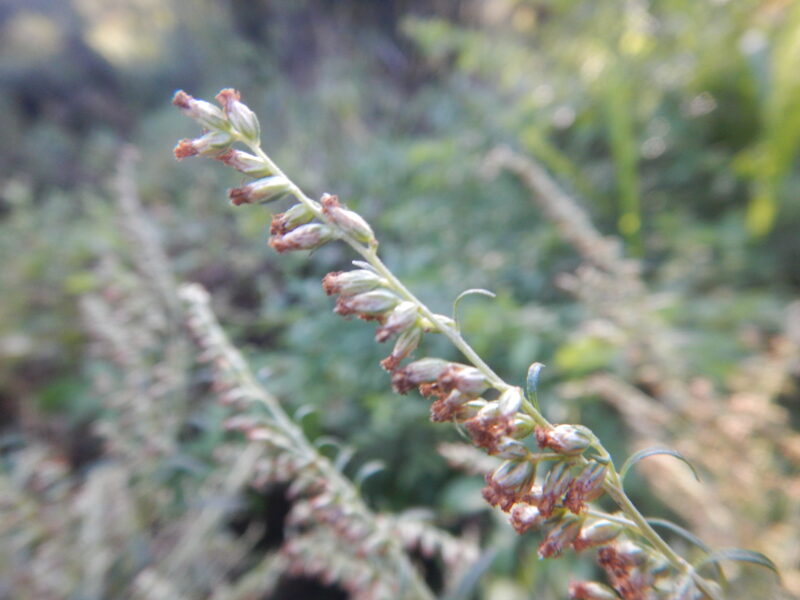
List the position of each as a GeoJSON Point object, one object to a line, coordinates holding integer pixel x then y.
{"type": "Point", "coordinates": [647, 452]}
{"type": "Point", "coordinates": [532, 383]}
{"type": "Point", "coordinates": [367, 470]}
{"type": "Point", "coordinates": [740, 555]}
{"type": "Point", "coordinates": [466, 293]}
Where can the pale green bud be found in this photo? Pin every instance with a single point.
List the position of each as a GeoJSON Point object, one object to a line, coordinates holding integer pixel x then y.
{"type": "Point", "coordinates": [242, 119]}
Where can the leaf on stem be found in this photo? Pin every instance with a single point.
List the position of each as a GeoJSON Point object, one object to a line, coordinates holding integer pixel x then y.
{"type": "Point", "coordinates": [367, 470]}
{"type": "Point", "coordinates": [343, 457]}
{"type": "Point", "coordinates": [689, 536]}
{"type": "Point", "coordinates": [304, 411]}
{"type": "Point", "coordinates": [468, 293]}
{"type": "Point", "coordinates": [532, 383]}
{"type": "Point", "coordinates": [740, 555]}
{"type": "Point", "coordinates": [641, 454]}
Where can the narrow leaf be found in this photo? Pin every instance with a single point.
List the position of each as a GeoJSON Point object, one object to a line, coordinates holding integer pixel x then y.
{"type": "Point", "coordinates": [304, 411]}
{"type": "Point", "coordinates": [343, 457]}
{"type": "Point", "coordinates": [468, 292]}
{"type": "Point", "coordinates": [689, 536]}
{"type": "Point", "coordinates": [367, 470]}
{"type": "Point", "coordinates": [532, 383]}
{"type": "Point", "coordinates": [684, 533]}
{"type": "Point", "coordinates": [740, 555]}
{"type": "Point", "coordinates": [469, 582]}
{"type": "Point", "coordinates": [636, 457]}
{"type": "Point", "coordinates": [327, 441]}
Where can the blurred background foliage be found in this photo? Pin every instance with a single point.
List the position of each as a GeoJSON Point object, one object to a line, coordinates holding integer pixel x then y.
{"type": "Point", "coordinates": [675, 123]}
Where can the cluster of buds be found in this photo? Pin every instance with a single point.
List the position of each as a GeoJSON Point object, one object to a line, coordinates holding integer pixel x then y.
{"type": "Point", "coordinates": [306, 225]}
{"type": "Point", "coordinates": [368, 295]}
{"type": "Point", "coordinates": [558, 505]}
{"type": "Point", "coordinates": [546, 490]}
{"type": "Point", "coordinates": [635, 573]}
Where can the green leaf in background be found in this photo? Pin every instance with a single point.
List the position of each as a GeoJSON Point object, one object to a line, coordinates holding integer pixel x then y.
{"type": "Point", "coordinates": [584, 355]}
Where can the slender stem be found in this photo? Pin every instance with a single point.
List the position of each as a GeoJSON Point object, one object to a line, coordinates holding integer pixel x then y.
{"type": "Point", "coordinates": [612, 484]}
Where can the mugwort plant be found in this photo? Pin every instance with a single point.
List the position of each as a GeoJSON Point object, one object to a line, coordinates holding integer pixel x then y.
{"type": "Point", "coordinates": [552, 489]}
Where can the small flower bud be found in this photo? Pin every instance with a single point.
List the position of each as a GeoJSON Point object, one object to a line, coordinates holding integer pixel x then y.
{"type": "Point", "coordinates": [209, 144]}
{"type": "Point", "coordinates": [297, 215]}
{"type": "Point", "coordinates": [565, 531]}
{"type": "Point", "coordinates": [262, 191]}
{"type": "Point", "coordinates": [446, 408]}
{"type": "Point", "coordinates": [350, 283]}
{"type": "Point", "coordinates": [522, 426]}
{"type": "Point", "coordinates": [406, 343]}
{"type": "Point", "coordinates": [509, 402]}
{"type": "Point", "coordinates": [443, 319]}
{"type": "Point", "coordinates": [348, 221]}
{"type": "Point", "coordinates": [420, 371]}
{"type": "Point", "coordinates": [468, 380]}
{"type": "Point", "coordinates": [569, 440]}
{"type": "Point", "coordinates": [369, 304]}
{"type": "Point", "coordinates": [556, 482]}
{"type": "Point", "coordinates": [632, 553]}
{"type": "Point", "coordinates": [469, 409]}
{"type": "Point", "coordinates": [587, 486]}
{"type": "Point", "coordinates": [506, 485]}
{"type": "Point", "coordinates": [524, 517]}
{"type": "Point", "coordinates": [244, 162]}
{"type": "Point", "coordinates": [489, 429]}
{"type": "Point", "coordinates": [402, 317]}
{"type": "Point", "coordinates": [241, 118]}
{"type": "Point", "coordinates": [510, 449]}
{"type": "Point", "coordinates": [597, 533]}
{"type": "Point", "coordinates": [205, 113]}
{"type": "Point", "coordinates": [590, 590]}
{"type": "Point", "coordinates": [305, 237]}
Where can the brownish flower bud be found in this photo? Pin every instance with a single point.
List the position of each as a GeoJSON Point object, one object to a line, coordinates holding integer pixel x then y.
{"type": "Point", "coordinates": [569, 440]}
{"type": "Point", "coordinates": [524, 517]}
{"type": "Point", "coordinates": [262, 191]}
{"type": "Point", "coordinates": [209, 144]}
{"type": "Point", "coordinates": [244, 162]}
{"type": "Point", "coordinates": [350, 283]}
{"type": "Point", "coordinates": [348, 221]}
{"type": "Point", "coordinates": [374, 304]}
{"type": "Point", "coordinates": [421, 371]}
{"type": "Point", "coordinates": [565, 531]}
{"type": "Point", "coordinates": [488, 429]}
{"type": "Point", "coordinates": [446, 408]}
{"type": "Point", "coordinates": [597, 533]}
{"type": "Point", "coordinates": [586, 486]}
{"type": "Point", "coordinates": [305, 237]}
{"type": "Point", "coordinates": [403, 316]}
{"type": "Point", "coordinates": [468, 380]}
{"type": "Point", "coordinates": [241, 118]}
{"type": "Point", "coordinates": [590, 590]}
{"type": "Point", "coordinates": [508, 483]}
{"type": "Point", "coordinates": [205, 113]}
{"type": "Point", "coordinates": [406, 343]}
{"type": "Point", "coordinates": [297, 215]}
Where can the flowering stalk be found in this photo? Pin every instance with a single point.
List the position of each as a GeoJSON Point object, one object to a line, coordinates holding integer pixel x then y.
{"type": "Point", "coordinates": [574, 467]}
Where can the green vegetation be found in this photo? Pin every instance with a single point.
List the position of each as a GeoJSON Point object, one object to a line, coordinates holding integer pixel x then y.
{"type": "Point", "coordinates": [674, 125]}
